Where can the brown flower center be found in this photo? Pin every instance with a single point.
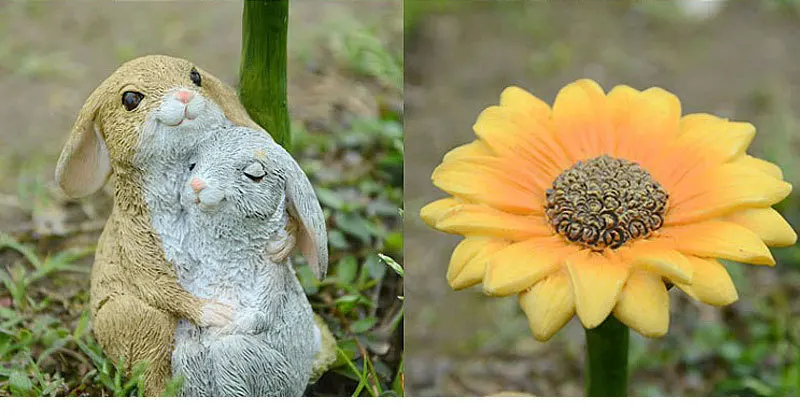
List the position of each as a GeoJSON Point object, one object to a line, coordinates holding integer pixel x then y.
{"type": "Point", "coordinates": [605, 202]}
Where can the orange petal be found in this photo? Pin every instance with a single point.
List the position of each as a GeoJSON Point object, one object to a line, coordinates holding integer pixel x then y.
{"type": "Point", "coordinates": [711, 283]}
{"type": "Point", "coordinates": [768, 224]}
{"type": "Point", "coordinates": [478, 220]}
{"type": "Point", "coordinates": [597, 282]}
{"type": "Point", "coordinates": [717, 191]}
{"type": "Point", "coordinates": [485, 184]}
{"type": "Point", "coordinates": [528, 142]}
{"type": "Point", "coordinates": [549, 305]}
{"type": "Point", "coordinates": [581, 119]}
{"type": "Point", "coordinates": [644, 304]}
{"type": "Point", "coordinates": [718, 239]}
{"type": "Point", "coordinates": [468, 262]}
{"type": "Point", "coordinates": [652, 120]}
{"type": "Point", "coordinates": [521, 265]}
{"type": "Point", "coordinates": [521, 174]}
{"type": "Point", "coordinates": [431, 212]}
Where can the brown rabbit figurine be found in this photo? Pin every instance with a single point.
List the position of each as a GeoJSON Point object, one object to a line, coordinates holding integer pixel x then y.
{"type": "Point", "coordinates": [136, 300]}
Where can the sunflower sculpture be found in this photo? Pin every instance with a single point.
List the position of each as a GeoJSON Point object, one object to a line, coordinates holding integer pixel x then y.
{"type": "Point", "coordinates": [598, 205]}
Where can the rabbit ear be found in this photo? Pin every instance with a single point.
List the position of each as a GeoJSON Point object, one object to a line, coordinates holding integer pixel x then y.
{"type": "Point", "coordinates": [303, 206]}
{"type": "Point", "coordinates": [227, 100]}
{"type": "Point", "coordinates": [84, 164]}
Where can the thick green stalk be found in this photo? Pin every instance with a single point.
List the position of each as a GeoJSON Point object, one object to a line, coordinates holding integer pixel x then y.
{"type": "Point", "coordinates": [262, 75]}
{"type": "Point", "coordinates": [607, 359]}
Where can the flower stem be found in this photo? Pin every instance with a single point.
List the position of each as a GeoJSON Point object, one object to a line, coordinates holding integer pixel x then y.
{"type": "Point", "coordinates": [262, 74]}
{"type": "Point", "coordinates": [607, 359]}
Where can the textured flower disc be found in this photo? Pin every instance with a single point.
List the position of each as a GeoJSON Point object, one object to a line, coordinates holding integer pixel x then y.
{"type": "Point", "coordinates": [592, 206]}
{"type": "Point", "coordinates": [605, 202]}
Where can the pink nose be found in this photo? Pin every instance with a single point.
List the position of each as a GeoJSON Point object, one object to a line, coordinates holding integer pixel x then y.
{"type": "Point", "coordinates": [184, 96]}
{"type": "Point", "coordinates": [197, 185]}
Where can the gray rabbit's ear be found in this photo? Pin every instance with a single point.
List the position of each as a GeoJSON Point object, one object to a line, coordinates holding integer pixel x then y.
{"type": "Point", "coordinates": [84, 164]}
{"type": "Point", "coordinates": [303, 206]}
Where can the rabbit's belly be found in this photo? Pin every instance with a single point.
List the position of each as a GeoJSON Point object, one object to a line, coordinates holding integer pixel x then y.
{"type": "Point", "coordinates": [227, 289]}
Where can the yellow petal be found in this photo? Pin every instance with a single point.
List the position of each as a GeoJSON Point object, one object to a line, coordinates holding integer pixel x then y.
{"type": "Point", "coordinates": [768, 224]}
{"type": "Point", "coordinates": [711, 283]}
{"type": "Point", "coordinates": [468, 262]}
{"type": "Point", "coordinates": [719, 239]}
{"type": "Point", "coordinates": [523, 104]}
{"type": "Point", "coordinates": [483, 184]}
{"type": "Point", "coordinates": [719, 190]}
{"type": "Point", "coordinates": [707, 138]}
{"type": "Point", "coordinates": [478, 220]}
{"type": "Point", "coordinates": [549, 305]}
{"type": "Point", "coordinates": [597, 282]}
{"type": "Point", "coordinates": [581, 119]}
{"type": "Point", "coordinates": [431, 212]}
{"type": "Point", "coordinates": [764, 166]}
{"type": "Point", "coordinates": [644, 304]}
{"type": "Point", "coordinates": [475, 148]}
{"type": "Point", "coordinates": [661, 261]}
{"type": "Point", "coordinates": [521, 265]}
{"type": "Point", "coordinates": [621, 99]}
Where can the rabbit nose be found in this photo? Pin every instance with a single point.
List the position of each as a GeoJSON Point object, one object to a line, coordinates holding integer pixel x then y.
{"type": "Point", "coordinates": [184, 96]}
{"type": "Point", "coordinates": [197, 185]}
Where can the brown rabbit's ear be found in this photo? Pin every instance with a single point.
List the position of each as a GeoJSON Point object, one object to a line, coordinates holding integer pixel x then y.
{"type": "Point", "coordinates": [226, 98]}
{"type": "Point", "coordinates": [84, 164]}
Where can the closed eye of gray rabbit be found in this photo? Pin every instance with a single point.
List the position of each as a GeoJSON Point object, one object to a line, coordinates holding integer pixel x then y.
{"type": "Point", "coordinates": [238, 198]}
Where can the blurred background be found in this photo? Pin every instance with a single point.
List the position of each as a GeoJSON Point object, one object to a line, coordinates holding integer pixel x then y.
{"type": "Point", "coordinates": [736, 59]}
{"type": "Point", "coordinates": [346, 105]}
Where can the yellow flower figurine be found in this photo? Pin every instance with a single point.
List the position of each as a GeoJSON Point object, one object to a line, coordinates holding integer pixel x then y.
{"type": "Point", "coordinates": [594, 205]}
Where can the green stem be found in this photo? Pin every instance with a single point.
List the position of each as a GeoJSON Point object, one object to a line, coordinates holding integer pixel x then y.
{"type": "Point", "coordinates": [607, 359]}
{"type": "Point", "coordinates": [262, 75]}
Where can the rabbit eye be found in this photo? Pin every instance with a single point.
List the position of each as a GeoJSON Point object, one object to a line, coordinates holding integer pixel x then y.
{"type": "Point", "coordinates": [255, 172]}
{"type": "Point", "coordinates": [131, 100]}
{"type": "Point", "coordinates": [192, 166]}
{"type": "Point", "coordinates": [195, 76]}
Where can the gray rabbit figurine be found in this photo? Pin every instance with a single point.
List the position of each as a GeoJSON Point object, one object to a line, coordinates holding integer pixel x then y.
{"type": "Point", "coordinates": [237, 200]}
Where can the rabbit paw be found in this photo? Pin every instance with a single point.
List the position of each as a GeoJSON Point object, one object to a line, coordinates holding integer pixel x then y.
{"type": "Point", "coordinates": [249, 321]}
{"type": "Point", "coordinates": [280, 250]}
{"type": "Point", "coordinates": [216, 314]}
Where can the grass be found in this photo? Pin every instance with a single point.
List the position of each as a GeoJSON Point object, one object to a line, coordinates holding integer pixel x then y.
{"type": "Point", "coordinates": [356, 165]}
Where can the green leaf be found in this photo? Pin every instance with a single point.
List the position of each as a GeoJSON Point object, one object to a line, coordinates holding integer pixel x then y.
{"type": "Point", "coordinates": [393, 264]}
{"type": "Point", "coordinates": [25, 337]}
{"type": "Point", "coordinates": [20, 384]}
{"type": "Point", "coordinates": [346, 270]}
{"type": "Point", "coordinates": [394, 243]}
{"type": "Point", "coordinates": [346, 351]}
{"type": "Point", "coordinates": [373, 268]}
{"type": "Point", "coordinates": [337, 240]}
{"type": "Point", "coordinates": [83, 324]}
{"type": "Point", "coordinates": [364, 324]}
{"type": "Point", "coordinates": [330, 198]}
{"type": "Point", "coordinates": [355, 226]}
{"type": "Point", "coordinates": [309, 282]}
